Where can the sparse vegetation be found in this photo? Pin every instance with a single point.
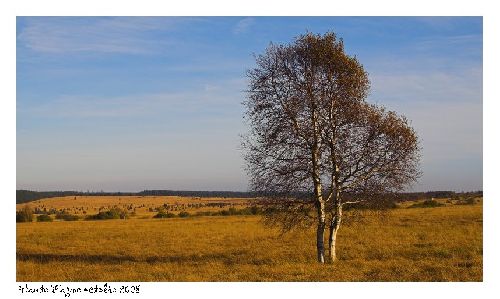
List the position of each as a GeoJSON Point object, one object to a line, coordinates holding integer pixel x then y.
{"type": "Point", "coordinates": [466, 201]}
{"type": "Point", "coordinates": [253, 210]}
{"type": "Point", "coordinates": [163, 214]}
{"type": "Point", "coordinates": [427, 204]}
{"type": "Point", "coordinates": [378, 204]}
{"type": "Point", "coordinates": [184, 214]}
{"type": "Point", "coordinates": [44, 218]}
{"type": "Point", "coordinates": [67, 217]}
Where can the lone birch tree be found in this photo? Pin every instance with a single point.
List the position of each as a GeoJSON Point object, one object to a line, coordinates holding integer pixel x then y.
{"type": "Point", "coordinates": [312, 132]}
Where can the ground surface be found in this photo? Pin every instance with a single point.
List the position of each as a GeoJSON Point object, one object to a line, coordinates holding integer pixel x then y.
{"type": "Point", "coordinates": [405, 244]}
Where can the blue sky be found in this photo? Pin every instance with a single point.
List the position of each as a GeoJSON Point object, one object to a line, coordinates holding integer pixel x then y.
{"type": "Point", "coordinates": [126, 104]}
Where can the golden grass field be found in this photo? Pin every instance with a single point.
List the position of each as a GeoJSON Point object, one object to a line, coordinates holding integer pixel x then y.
{"type": "Point", "coordinates": [418, 244]}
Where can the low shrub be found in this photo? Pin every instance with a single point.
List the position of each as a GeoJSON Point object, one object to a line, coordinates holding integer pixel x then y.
{"type": "Point", "coordinates": [44, 218]}
{"type": "Point", "coordinates": [70, 217]}
{"type": "Point", "coordinates": [245, 211]}
{"type": "Point", "coordinates": [233, 211]}
{"type": "Point", "coordinates": [224, 213]}
{"type": "Point", "coordinates": [430, 203]}
{"type": "Point", "coordinates": [115, 213]}
{"type": "Point", "coordinates": [373, 204]}
{"type": "Point", "coordinates": [163, 214]}
{"type": "Point", "coordinates": [254, 210]}
{"type": "Point", "coordinates": [24, 215]}
{"type": "Point", "coordinates": [184, 214]}
{"type": "Point", "coordinates": [466, 201]}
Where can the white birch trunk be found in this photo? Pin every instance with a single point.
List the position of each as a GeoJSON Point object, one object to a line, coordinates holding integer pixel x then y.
{"type": "Point", "coordinates": [320, 232]}
{"type": "Point", "coordinates": [334, 229]}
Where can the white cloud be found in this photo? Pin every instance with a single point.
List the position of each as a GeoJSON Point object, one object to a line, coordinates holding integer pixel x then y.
{"type": "Point", "coordinates": [243, 25]}
{"type": "Point", "coordinates": [210, 87]}
{"type": "Point", "coordinates": [93, 34]}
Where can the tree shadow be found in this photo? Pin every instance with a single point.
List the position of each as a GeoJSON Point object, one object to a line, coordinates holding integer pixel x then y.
{"type": "Point", "coordinates": [237, 257]}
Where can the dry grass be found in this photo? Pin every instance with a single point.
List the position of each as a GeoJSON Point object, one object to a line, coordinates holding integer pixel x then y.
{"type": "Point", "coordinates": [420, 244]}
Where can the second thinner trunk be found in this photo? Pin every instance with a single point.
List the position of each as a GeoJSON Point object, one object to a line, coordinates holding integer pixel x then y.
{"type": "Point", "coordinates": [332, 240]}
{"type": "Point", "coordinates": [334, 229]}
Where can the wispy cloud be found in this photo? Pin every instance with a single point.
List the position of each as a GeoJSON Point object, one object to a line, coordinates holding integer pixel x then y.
{"type": "Point", "coordinates": [465, 42]}
{"type": "Point", "coordinates": [243, 25]}
{"type": "Point", "coordinates": [444, 108]}
{"type": "Point", "coordinates": [445, 23]}
{"type": "Point", "coordinates": [104, 35]}
{"type": "Point", "coordinates": [212, 99]}
{"type": "Point", "coordinates": [461, 85]}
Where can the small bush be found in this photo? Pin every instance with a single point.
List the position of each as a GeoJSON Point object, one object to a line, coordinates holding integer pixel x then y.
{"type": "Point", "coordinates": [245, 211]}
{"type": "Point", "coordinates": [44, 218]}
{"type": "Point", "coordinates": [430, 203]}
{"type": "Point", "coordinates": [255, 210]}
{"type": "Point", "coordinates": [224, 213]}
{"type": "Point", "coordinates": [374, 204]}
{"type": "Point", "coordinates": [115, 213]}
{"type": "Point", "coordinates": [67, 217]}
{"type": "Point", "coordinates": [470, 201]}
{"type": "Point", "coordinates": [164, 214]}
{"type": "Point", "coordinates": [184, 214]}
{"type": "Point", "coordinates": [466, 201]}
{"type": "Point", "coordinates": [24, 215]}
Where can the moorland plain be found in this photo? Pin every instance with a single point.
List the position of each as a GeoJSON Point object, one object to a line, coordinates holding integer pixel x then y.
{"type": "Point", "coordinates": [441, 243]}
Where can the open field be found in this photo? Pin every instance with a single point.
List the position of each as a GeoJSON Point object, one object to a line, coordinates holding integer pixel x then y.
{"type": "Point", "coordinates": [406, 244]}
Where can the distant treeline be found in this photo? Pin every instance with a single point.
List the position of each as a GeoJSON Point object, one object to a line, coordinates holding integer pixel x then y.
{"type": "Point", "coordinates": [23, 196]}
{"type": "Point", "coordinates": [27, 196]}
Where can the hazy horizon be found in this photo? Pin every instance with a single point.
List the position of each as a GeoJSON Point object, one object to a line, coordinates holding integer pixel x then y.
{"type": "Point", "coordinates": [125, 104]}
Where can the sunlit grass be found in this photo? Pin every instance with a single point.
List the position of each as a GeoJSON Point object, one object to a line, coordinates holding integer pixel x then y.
{"type": "Point", "coordinates": [418, 244]}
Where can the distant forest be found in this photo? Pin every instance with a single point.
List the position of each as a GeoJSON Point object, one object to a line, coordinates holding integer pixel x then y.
{"type": "Point", "coordinates": [23, 196]}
